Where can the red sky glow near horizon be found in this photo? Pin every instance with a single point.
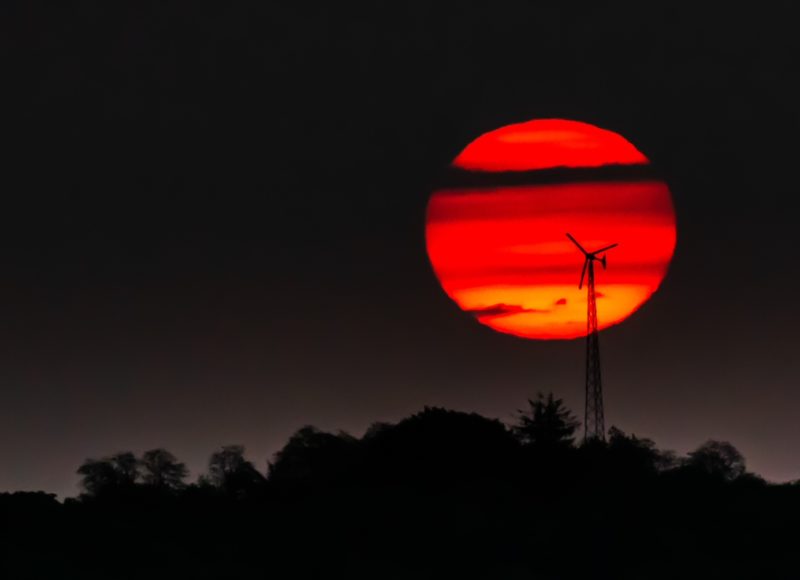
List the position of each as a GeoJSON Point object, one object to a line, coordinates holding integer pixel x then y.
{"type": "Point", "coordinates": [501, 252]}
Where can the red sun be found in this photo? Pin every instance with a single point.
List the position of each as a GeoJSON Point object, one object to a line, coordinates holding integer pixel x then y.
{"type": "Point", "coordinates": [496, 227]}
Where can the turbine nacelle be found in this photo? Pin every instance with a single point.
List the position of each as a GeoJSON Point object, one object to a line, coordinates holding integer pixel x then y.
{"type": "Point", "coordinates": [591, 257]}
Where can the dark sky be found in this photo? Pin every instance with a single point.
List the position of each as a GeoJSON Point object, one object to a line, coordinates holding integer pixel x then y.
{"type": "Point", "coordinates": [213, 220]}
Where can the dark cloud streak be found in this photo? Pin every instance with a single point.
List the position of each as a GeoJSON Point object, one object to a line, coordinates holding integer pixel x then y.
{"type": "Point", "coordinates": [503, 310]}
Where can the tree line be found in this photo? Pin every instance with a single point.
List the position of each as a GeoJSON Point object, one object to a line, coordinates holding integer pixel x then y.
{"type": "Point", "coordinates": [546, 430]}
{"type": "Point", "coordinates": [441, 493]}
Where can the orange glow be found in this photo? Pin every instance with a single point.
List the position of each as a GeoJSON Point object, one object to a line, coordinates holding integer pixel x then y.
{"type": "Point", "coordinates": [501, 252]}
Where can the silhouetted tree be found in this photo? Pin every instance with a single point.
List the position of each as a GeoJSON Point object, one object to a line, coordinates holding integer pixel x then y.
{"type": "Point", "coordinates": [109, 474]}
{"type": "Point", "coordinates": [630, 455]}
{"type": "Point", "coordinates": [376, 429]}
{"type": "Point", "coordinates": [160, 469]}
{"type": "Point", "coordinates": [27, 502]}
{"type": "Point", "coordinates": [229, 471]}
{"type": "Point", "coordinates": [718, 459]}
{"type": "Point", "coordinates": [96, 476]}
{"type": "Point", "coordinates": [126, 466]}
{"type": "Point", "coordinates": [311, 454]}
{"type": "Point", "coordinates": [439, 444]}
{"type": "Point", "coordinates": [546, 424]}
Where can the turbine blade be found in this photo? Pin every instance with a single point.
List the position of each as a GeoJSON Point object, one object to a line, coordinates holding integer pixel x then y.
{"type": "Point", "coordinates": [574, 241]}
{"type": "Point", "coordinates": [603, 261]}
{"type": "Point", "coordinates": [583, 273]}
{"type": "Point", "coordinates": [604, 249]}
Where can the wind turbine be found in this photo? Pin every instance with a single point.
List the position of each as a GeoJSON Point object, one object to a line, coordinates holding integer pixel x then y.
{"type": "Point", "coordinates": [594, 420]}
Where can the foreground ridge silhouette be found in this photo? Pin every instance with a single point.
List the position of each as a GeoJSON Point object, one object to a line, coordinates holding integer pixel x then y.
{"type": "Point", "coordinates": [440, 494]}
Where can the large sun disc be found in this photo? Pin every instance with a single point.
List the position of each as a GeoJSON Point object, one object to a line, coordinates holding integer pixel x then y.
{"type": "Point", "coordinates": [495, 228]}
